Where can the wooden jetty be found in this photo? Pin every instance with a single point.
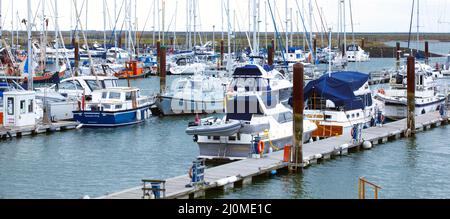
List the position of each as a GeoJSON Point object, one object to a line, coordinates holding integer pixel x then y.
{"type": "Point", "coordinates": [226, 176]}
{"type": "Point", "coordinates": [6, 133]}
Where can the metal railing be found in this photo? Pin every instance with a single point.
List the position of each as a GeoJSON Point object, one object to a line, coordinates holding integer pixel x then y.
{"type": "Point", "coordinates": [362, 188]}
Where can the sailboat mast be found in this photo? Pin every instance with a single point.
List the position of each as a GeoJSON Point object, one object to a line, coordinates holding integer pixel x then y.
{"type": "Point", "coordinates": [56, 34]}
{"type": "Point", "coordinates": [418, 36]}
{"type": "Point", "coordinates": [30, 53]}
{"type": "Point", "coordinates": [229, 37]}
{"type": "Point", "coordinates": [1, 21]}
{"type": "Point", "coordinates": [12, 23]}
{"type": "Point", "coordinates": [287, 26]}
{"type": "Point", "coordinates": [115, 18]}
{"type": "Point", "coordinates": [255, 23]}
{"type": "Point", "coordinates": [104, 24]}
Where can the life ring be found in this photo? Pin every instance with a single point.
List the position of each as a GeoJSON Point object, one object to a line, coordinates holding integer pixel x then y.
{"type": "Point", "coordinates": [381, 91]}
{"type": "Point", "coordinates": [261, 147]}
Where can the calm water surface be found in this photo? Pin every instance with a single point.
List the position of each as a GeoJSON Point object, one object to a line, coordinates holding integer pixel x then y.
{"type": "Point", "coordinates": [95, 162]}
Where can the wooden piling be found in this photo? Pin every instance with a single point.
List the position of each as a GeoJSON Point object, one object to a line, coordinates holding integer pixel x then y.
{"type": "Point", "coordinates": [158, 55]}
{"type": "Point", "coordinates": [411, 89]}
{"type": "Point", "coordinates": [270, 55]}
{"type": "Point", "coordinates": [363, 43]}
{"type": "Point", "coordinates": [298, 106]}
{"type": "Point", "coordinates": [76, 55]}
{"type": "Point", "coordinates": [427, 52]}
{"type": "Point", "coordinates": [222, 51]}
{"type": "Point", "coordinates": [397, 52]}
{"type": "Point", "coordinates": [315, 48]}
{"type": "Point", "coordinates": [162, 76]}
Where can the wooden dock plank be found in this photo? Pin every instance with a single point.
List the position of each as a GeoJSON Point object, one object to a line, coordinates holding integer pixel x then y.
{"type": "Point", "coordinates": [176, 187]}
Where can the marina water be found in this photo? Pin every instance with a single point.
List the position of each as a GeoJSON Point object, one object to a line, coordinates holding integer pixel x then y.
{"type": "Point", "coordinates": [91, 162]}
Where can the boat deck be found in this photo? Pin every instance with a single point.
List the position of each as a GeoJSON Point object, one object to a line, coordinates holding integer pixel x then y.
{"type": "Point", "coordinates": [241, 172]}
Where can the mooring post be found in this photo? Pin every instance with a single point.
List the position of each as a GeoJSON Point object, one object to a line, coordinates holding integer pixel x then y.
{"type": "Point", "coordinates": [298, 106]}
{"type": "Point", "coordinates": [427, 52]}
{"type": "Point", "coordinates": [315, 49]}
{"type": "Point", "coordinates": [343, 50]}
{"type": "Point", "coordinates": [158, 56]}
{"type": "Point", "coordinates": [76, 55]}
{"type": "Point", "coordinates": [162, 76]}
{"type": "Point", "coordinates": [411, 78]}
{"type": "Point", "coordinates": [222, 51]}
{"type": "Point", "coordinates": [398, 55]}
{"type": "Point", "coordinates": [363, 43]}
{"type": "Point", "coordinates": [270, 55]}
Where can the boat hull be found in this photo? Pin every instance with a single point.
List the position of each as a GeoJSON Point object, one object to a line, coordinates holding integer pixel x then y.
{"type": "Point", "coordinates": [169, 106]}
{"type": "Point", "coordinates": [227, 150]}
{"type": "Point", "coordinates": [100, 119]}
{"type": "Point", "coordinates": [396, 110]}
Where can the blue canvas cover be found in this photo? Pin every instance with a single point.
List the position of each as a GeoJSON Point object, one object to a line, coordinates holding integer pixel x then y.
{"type": "Point", "coordinates": [339, 88]}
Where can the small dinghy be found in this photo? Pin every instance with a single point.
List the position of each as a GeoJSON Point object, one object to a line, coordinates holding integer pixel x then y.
{"type": "Point", "coordinates": [228, 128]}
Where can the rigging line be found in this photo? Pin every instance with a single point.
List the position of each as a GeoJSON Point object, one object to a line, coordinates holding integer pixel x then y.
{"type": "Point", "coordinates": [410, 24]}
{"type": "Point", "coordinates": [321, 19]}
{"type": "Point", "coordinates": [351, 21]}
{"type": "Point", "coordinates": [145, 25]}
{"type": "Point", "coordinates": [280, 42]}
{"type": "Point", "coordinates": [115, 24]}
{"type": "Point", "coordinates": [306, 33]}
{"type": "Point", "coordinates": [246, 32]}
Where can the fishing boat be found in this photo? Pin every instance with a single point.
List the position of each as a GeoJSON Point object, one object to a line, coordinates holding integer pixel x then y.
{"type": "Point", "coordinates": [356, 54]}
{"type": "Point", "coordinates": [132, 70]}
{"type": "Point", "coordinates": [254, 112]}
{"type": "Point", "coordinates": [338, 101]}
{"type": "Point", "coordinates": [114, 107]}
{"type": "Point", "coordinates": [198, 94]}
{"type": "Point", "coordinates": [427, 99]}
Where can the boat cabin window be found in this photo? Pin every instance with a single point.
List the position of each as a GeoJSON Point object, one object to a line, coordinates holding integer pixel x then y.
{"type": "Point", "coordinates": [10, 105]}
{"type": "Point", "coordinates": [31, 106]}
{"type": "Point", "coordinates": [93, 85]}
{"type": "Point", "coordinates": [128, 96]}
{"type": "Point", "coordinates": [70, 85]}
{"type": "Point", "coordinates": [22, 107]}
{"type": "Point", "coordinates": [119, 106]}
{"type": "Point", "coordinates": [110, 83]}
{"type": "Point", "coordinates": [104, 95]}
{"type": "Point", "coordinates": [181, 85]}
{"type": "Point", "coordinates": [114, 95]}
{"type": "Point", "coordinates": [283, 117]}
{"type": "Point", "coordinates": [106, 106]}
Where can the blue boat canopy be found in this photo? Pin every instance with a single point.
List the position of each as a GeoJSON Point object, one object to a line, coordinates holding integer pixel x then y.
{"type": "Point", "coordinates": [339, 87]}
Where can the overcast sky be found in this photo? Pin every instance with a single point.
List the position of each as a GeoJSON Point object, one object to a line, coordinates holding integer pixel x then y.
{"type": "Point", "coordinates": [368, 15]}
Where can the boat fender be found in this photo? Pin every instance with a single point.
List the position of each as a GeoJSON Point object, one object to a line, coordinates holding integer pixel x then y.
{"type": "Point", "coordinates": [79, 126]}
{"type": "Point", "coordinates": [381, 91]}
{"type": "Point", "coordinates": [261, 147]}
{"type": "Point", "coordinates": [367, 145]}
{"type": "Point", "coordinates": [138, 115]}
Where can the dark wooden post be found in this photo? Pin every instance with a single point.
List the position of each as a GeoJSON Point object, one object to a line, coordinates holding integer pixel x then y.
{"type": "Point", "coordinates": [162, 76]}
{"type": "Point", "coordinates": [222, 51]}
{"type": "Point", "coordinates": [315, 48]}
{"type": "Point", "coordinates": [343, 50]}
{"type": "Point", "coordinates": [76, 55]}
{"type": "Point", "coordinates": [427, 52]}
{"type": "Point", "coordinates": [363, 43]}
{"type": "Point", "coordinates": [270, 55]}
{"type": "Point", "coordinates": [411, 77]}
{"type": "Point", "coordinates": [158, 56]}
{"type": "Point", "coordinates": [398, 55]}
{"type": "Point", "coordinates": [298, 106]}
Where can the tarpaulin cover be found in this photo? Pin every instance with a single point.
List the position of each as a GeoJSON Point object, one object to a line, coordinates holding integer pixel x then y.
{"type": "Point", "coordinates": [339, 88]}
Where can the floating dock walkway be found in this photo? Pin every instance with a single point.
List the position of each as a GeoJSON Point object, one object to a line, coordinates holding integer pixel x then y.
{"type": "Point", "coordinates": [241, 172]}
{"type": "Point", "coordinates": [6, 133]}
